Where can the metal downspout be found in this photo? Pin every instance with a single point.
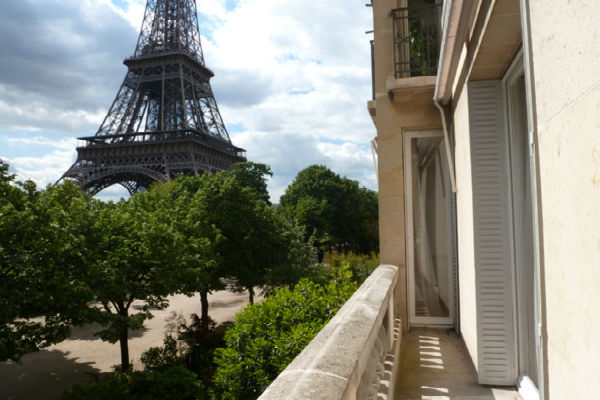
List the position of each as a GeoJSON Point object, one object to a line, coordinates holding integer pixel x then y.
{"type": "Point", "coordinates": [436, 95]}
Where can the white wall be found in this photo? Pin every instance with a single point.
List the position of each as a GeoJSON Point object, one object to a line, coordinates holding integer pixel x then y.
{"type": "Point", "coordinates": [464, 213]}
{"type": "Point", "coordinates": [566, 55]}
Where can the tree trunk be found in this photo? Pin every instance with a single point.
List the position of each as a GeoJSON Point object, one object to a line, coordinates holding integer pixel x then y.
{"type": "Point", "coordinates": [251, 297]}
{"type": "Point", "coordinates": [204, 308]}
{"type": "Point", "coordinates": [124, 350]}
{"type": "Point", "coordinates": [320, 255]}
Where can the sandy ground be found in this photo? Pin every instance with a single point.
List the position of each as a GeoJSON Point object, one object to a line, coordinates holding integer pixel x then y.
{"type": "Point", "coordinates": [46, 374]}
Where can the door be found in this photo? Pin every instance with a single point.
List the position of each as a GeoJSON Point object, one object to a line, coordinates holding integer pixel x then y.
{"type": "Point", "coordinates": [523, 239]}
{"type": "Point", "coordinates": [428, 230]}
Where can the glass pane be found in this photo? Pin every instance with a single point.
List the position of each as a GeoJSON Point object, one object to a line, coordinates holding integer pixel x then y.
{"type": "Point", "coordinates": [430, 224]}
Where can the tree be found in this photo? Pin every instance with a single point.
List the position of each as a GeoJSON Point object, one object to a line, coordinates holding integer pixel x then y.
{"type": "Point", "coordinates": [335, 210]}
{"type": "Point", "coordinates": [137, 259]}
{"type": "Point", "coordinates": [198, 252]}
{"type": "Point", "coordinates": [42, 259]}
{"type": "Point", "coordinates": [247, 249]}
{"type": "Point", "coordinates": [258, 248]}
{"type": "Point", "coordinates": [253, 176]}
{"type": "Point", "coordinates": [368, 238]}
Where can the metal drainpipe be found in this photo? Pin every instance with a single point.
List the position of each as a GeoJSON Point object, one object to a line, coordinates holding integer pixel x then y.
{"type": "Point", "coordinates": [435, 97]}
{"type": "Point", "coordinates": [447, 142]}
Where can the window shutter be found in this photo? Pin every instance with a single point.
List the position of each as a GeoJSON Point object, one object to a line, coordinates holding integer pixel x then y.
{"type": "Point", "coordinates": [493, 265]}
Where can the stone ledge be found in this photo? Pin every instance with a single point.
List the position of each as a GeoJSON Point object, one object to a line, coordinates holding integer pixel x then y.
{"type": "Point", "coordinates": [332, 365]}
{"type": "Point", "coordinates": [409, 90]}
{"type": "Point", "coordinates": [413, 83]}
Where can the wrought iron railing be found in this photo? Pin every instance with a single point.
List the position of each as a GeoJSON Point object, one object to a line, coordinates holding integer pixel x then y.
{"type": "Point", "coordinates": [416, 40]}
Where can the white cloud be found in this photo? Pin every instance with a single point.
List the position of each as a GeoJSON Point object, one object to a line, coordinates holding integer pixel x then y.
{"type": "Point", "coordinates": [309, 67]}
{"type": "Point", "coordinates": [33, 114]}
{"type": "Point", "coordinates": [61, 144]}
{"type": "Point", "coordinates": [295, 75]}
{"type": "Point", "coordinates": [46, 169]}
{"type": "Point", "coordinates": [133, 11]}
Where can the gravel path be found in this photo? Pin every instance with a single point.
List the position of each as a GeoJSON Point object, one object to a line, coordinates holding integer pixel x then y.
{"type": "Point", "coordinates": [46, 374]}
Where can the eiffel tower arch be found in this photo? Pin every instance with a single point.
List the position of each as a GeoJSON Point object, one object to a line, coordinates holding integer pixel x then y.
{"type": "Point", "coordinates": [164, 120]}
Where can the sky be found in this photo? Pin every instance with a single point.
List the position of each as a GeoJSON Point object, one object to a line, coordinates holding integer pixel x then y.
{"type": "Point", "coordinates": [292, 79]}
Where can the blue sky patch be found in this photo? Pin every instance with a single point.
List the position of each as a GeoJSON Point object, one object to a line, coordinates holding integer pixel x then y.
{"type": "Point", "coordinates": [235, 128]}
{"type": "Point", "coordinates": [295, 92]}
{"type": "Point", "coordinates": [231, 5]}
{"type": "Point", "coordinates": [122, 4]}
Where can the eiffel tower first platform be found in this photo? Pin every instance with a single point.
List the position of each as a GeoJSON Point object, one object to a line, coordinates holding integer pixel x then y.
{"type": "Point", "coordinates": [164, 121]}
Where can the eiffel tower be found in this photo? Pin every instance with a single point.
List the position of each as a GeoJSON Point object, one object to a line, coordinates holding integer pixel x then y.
{"type": "Point", "coordinates": [164, 121]}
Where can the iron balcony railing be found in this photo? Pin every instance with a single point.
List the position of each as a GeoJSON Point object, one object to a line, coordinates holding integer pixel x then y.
{"type": "Point", "coordinates": [416, 40]}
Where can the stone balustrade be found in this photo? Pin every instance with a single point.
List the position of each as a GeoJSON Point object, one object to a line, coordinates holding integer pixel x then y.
{"type": "Point", "coordinates": [354, 355]}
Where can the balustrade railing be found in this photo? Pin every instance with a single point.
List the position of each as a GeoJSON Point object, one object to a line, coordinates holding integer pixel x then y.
{"type": "Point", "coordinates": [354, 355]}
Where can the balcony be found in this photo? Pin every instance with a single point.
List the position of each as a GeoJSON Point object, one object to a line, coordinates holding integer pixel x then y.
{"type": "Point", "coordinates": [416, 40]}
{"type": "Point", "coordinates": [362, 353]}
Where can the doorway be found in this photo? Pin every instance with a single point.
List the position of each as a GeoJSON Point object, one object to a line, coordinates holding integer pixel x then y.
{"type": "Point", "coordinates": [520, 157]}
{"type": "Point", "coordinates": [428, 211]}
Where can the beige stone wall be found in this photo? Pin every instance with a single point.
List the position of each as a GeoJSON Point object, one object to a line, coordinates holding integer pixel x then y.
{"type": "Point", "coordinates": [566, 58]}
{"type": "Point", "coordinates": [394, 115]}
{"type": "Point", "coordinates": [389, 141]}
{"type": "Point", "coordinates": [464, 225]}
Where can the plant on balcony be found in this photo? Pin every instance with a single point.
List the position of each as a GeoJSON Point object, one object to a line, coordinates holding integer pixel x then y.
{"type": "Point", "coordinates": [418, 56]}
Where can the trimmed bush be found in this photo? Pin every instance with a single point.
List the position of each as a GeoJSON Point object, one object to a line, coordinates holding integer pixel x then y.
{"type": "Point", "coordinates": [172, 382]}
{"type": "Point", "coordinates": [266, 337]}
{"type": "Point", "coordinates": [164, 378]}
{"type": "Point", "coordinates": [361, 265]}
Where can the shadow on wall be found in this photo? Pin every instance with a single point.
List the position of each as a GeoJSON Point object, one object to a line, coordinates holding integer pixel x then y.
{"type": "Point", "coordinates": [43, 375]}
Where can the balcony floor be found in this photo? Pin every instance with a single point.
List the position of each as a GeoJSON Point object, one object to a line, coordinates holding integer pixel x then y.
{"type": "Point", "coordinates": [435, 365]}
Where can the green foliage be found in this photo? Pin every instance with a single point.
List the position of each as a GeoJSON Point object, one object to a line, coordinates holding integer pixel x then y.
{"type": "Point", "coordinates": [43, 251]}
{"type": "Point", "coordinates": [253, 176]}
{"type": "Point", "coordinates": [202, 340]}
{"type": "Point", "coordinates": [258, 246]}
{"type": "Point", "coordinates": [336, 211]}
{"type": "Point", "coordinates": [361, 265]}
{"type": "Point", "coordinates": [165, 376]}
{"type": "Point", "coordinates": [171, 382]}
{"type": "Point", "coordinates": [266, 337]}
{"type": "Point", "coordinates": [60, 249]}
{"type": "Point", "coordinates": [160, 357]}
{"type": "Point", "coordinates": [134, 261]}
{"type": "Point", "coordinates": [197, 252]}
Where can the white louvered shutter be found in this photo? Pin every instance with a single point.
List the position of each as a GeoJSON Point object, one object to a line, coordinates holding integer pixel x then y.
{"type": "Point", "coordinates": [493, 265]}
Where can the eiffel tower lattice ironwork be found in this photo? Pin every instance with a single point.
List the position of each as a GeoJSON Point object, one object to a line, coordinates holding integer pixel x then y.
{"type": "Point", "coordinates": [164, 121]}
